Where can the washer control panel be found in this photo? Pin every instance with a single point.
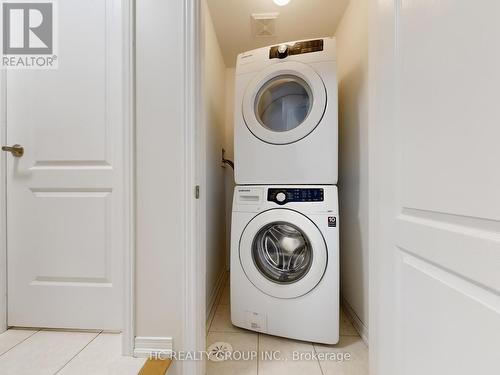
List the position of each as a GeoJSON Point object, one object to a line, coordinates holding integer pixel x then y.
{"type": "Point", "coordinates": [298, 48]}
{"type": "Point", "coordinates": [287, 195]}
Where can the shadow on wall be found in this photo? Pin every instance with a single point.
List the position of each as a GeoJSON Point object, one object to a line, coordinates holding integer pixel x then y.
{"type": "Point", "coordinates": [229, 182]}
{"type": "Point", "coordinates": [353, 188]}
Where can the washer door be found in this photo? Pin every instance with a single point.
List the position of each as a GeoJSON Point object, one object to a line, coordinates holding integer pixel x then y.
{"type": "Point", "coordinates": [283, 253]}
{"type": "Point", "coordinates": [284, 103]}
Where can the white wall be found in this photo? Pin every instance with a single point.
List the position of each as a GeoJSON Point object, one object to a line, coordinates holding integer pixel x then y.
{"type": "Point", "coordinates": [213, 187]}
{"type": "Point", "coordinates": [160, 169]}
{"type": "Point", "coordinates": [160, 69]}
{"type": "Point", "coordinates": [352, 52]}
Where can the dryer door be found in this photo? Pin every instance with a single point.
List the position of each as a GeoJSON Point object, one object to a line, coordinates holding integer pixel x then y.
{"type": "Point", "coordinates": [283, 253]}
{"type": "Point", "coordinates": [284, 103]}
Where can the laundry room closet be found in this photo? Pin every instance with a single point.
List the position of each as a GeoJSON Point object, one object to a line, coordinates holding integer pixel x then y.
{"type": "Point", "coordinates": [230, 28]}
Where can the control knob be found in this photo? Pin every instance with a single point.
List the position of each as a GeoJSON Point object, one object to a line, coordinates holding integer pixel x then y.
{"type": "Point", "coordinates": [281, 197]}
{"type": "Point", "coordinates": [282, 51]}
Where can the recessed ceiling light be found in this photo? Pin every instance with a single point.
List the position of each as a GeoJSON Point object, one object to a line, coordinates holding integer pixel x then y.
{"type": "Point", "coordinates": [281, 2]}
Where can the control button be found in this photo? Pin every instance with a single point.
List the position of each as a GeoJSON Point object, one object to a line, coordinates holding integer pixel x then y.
{"type": "Point", "coordinates": [281, 197]}
{"type": "Point", "coordinates": [282, 51]}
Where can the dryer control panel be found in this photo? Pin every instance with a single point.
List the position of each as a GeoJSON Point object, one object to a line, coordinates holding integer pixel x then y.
{"type": "Point", "coordinates": [286, 195]}
{"type": "Point", "coordinates": [283, 50]}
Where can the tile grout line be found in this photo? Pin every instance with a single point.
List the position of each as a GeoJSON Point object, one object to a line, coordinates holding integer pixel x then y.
{"type": "Point", "coordinates": [20, 342]}
{"type": "Point", "coordinates": [258, 352]}
{"type": "Point", "coordinates": [212, 320]}
{"type": "Point", "coordinates": [316, 351]}
{"type": "Point", "coordinates": [78, 352]}
{"type": "Point", "coordinates": [319, 362]}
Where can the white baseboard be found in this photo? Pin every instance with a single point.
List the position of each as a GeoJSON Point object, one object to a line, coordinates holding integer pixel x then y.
{"type": "Point", "coordinates": [151, 346]}
{"type": "Point", "coordinates": [356, 322]}
{"type": "Point", "coordinates": [215, 295]}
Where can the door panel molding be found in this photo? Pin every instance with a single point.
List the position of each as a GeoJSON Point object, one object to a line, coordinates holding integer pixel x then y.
{"type": "Point", "coordinates": [71, 164]}
{"type": "Point", "coordinates": [467, 287]}
{"type": "Point", "coordinates": [464, 251]}
{"type": "Point", "coordinates": [465, 221]}
{"type": "Point", "coordinates": [433, 352]}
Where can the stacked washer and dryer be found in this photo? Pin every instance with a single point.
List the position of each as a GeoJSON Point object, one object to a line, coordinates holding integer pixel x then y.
{"type": "Point", "coordinates": [284, 235]}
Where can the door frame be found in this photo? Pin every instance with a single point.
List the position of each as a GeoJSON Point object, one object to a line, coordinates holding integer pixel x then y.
{"type": "Point", "coordinates": [194, 306]}
{"type": "Point", "coordinates": [128, 78]}
{"type": "Point", "coordinates": [382, 139]}
{"type": "Point", "coordinates": [129, 159]}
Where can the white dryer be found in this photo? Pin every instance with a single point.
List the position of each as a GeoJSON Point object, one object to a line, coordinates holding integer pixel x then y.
{"type": "Point", "coordinates": [285, 261]}
{"type": "Point", "coordinates": [286, 114]}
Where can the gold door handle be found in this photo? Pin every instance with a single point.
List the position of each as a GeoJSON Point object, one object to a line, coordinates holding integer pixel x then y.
{"type": "Point", "coordinates": [16, 150]}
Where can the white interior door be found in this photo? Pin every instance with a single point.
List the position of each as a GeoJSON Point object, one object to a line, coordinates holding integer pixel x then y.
{"type": "Point", "coordinates": [64, 195]}
{"type": "Point", "coordinates": [435, 279]}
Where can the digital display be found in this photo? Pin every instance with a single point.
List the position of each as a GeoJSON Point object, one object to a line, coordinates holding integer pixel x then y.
{"type": "Point", "coordinates": [285, 195]}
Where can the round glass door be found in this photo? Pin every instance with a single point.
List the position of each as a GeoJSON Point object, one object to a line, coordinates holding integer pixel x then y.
{"type": "Point", "coordinates": [282, 252]}
{"type": "Point", "coordinates": [284, 103]}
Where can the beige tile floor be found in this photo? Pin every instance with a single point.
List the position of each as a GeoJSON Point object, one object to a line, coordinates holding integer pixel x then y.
{"type": "Point", "coordinates": [47, 352]}
{"type": "Point", "coordinates": [221, 330]}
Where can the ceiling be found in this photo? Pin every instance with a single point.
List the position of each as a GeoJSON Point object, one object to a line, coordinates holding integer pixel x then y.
{"type": "Point", "coordinates": [300, 19]}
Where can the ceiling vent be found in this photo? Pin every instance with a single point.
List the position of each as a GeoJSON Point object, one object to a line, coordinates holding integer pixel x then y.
{"type": "Point", "coordinates": [264, 24]}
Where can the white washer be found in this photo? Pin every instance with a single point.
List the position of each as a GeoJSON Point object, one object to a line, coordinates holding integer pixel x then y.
{"type": "Point", "coordinates": [286, 121]}
{"type": "Point", "coordinates": [285, 261]}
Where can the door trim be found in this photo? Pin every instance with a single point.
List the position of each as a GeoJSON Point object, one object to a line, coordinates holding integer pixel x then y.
{"type": "Point", "coordinates": [193, 306]}
{"type": "Point", "coordinates": [128, 303]}
{"type": "Point", "coordinates": [383, 24]}
{"type": "Point", "coordinates": [129, 157]}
